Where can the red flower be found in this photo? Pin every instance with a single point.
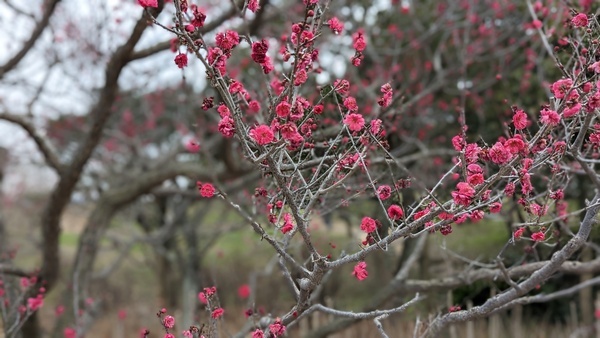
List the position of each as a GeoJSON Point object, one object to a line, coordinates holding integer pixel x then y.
{"type": "Point", "coordinates": [228, 40]}
{"type": "Point", "coordinates": [35, 303]}
{"type": "Point", "coordinates": [500, 154]}
{"type": "Point", "coordinates": [192, 146]}
{"type": "Point", "coordinates": [301, 77]}
{"type": "Point", "coordinates": [518, 233]}
{"type": "Point", "coordinates": [181, 60]}
{"type": "Point", "coordinates": [595, 139]}
{"type": "Point", "coordinates": [206, 190]}
{"type": "Point", "coordinates": [169, 322]}
{"type": "Point", "coordinates": [538, 236]}
{"type": "Point", "coordinates": [472, 152]}
{"type": "Point", "coordinates": [218, 312]}
{"type": "Point", "coordinates": [384, 192]}
{"type": "Point", "coordinates": [376, 126]}
{"type": "Point", "coordinates": [463, 194]}
{"type": "Point", "coordinates": [458, 142]}
{"type": "Point", "coordinates": [395, 212]}
{"type": "Point", "coordinates": [226, 126]}
{"type": "Point", "coordinates": [350, 103]}
{"type": "Point", "coordinates": [515, 144]}
{"type": "Point", "coordinates": [520, 120]}
{"type": "Point", "coordinates": [580, 20]}
{"type": "Point", "coordinates": [509, 190]}
{"type": "Point", "coordinates": [277, 329]}
{"type": "Point", "coordinates": [253, 5]}
{"type": "Point", "coordinates": [561, 87]}
{"type": "Point", "coordinates": [148, 3]}
{"type": "Point", "coordinates": [446, 229]}
{"type": "Point", "coordinates": [359, 41]}
{"type": "Point", "coordinates": [287, 227]}
{"type": "Point", "coordinates": [202, 298]}
{"type": "Point", "coordinates": [557, 195]}
{"type": "Point", "coordinates": [262, 135]}
{"type": "Point", "coordinates": [475, 179]}
{"type": "Point", "coordinates": [476, 215]}
{"type": "Point", "coordinates": [355, 122]}
{"type": "Point", "coordinates": [335, 25]}
{"type": "Point", "coordinates": [342, 86]}
{"type": "Point", "coordinates": [244, 291]}
{"type": "Point", "coordinates": [259, 51]}
{"type": "Point", "coordinates": [283, 109]}
{"type": "Point", "coordinates": [368, 225]}
{"type": "Point", "coordinates": [360, 271]}
{"type": "Point", "coordinates": [69, 333]}
{"type": "Point", "coordinates": [572, 110]}
{"type": "Point", "coordinates": [495, 207]}
{"type": "Point", "coordinates": [199, 16]}
{"type": "Point", "coordinates": [254, 106]}
{"type": "Point", "coordinates": [386, 99]}
{"type": "Point", "coordinates": [549, 117]}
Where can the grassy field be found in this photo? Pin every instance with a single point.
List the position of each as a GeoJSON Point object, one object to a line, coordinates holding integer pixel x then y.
{"type": "Point", "coordinates": [132, 288]}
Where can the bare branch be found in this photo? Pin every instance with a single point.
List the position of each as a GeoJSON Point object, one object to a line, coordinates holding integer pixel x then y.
{"type": "Point", "coordinates": [49, 8]}
{"type": "Point", "coordinates": [361, 315]}
{"type": "Point", "coordinates": [14, 271]}
{"type": "Point", "coordinates": [42, 144]}
{"type": "Point", "coordinates": [536, 278]}
{"type": "Point", "coordinates": [164, 45]}
{"type": "Point", "coordinates": [544, 298]}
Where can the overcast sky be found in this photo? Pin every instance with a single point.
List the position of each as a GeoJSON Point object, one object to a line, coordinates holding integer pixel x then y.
{"type": "Point", "coordinates": [101, 25]}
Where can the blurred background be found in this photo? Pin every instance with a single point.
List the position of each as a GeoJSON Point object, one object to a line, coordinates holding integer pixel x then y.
{"type": "Point", "coordinates": [99, 190]}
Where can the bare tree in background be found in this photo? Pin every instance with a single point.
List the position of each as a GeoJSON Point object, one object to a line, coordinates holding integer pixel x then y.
{"type": "Point", "coordinates": [410, 121]}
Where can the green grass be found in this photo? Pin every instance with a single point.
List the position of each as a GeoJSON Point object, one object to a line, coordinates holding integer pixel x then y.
{"type": "Point", "coordinates": [68, 239]}
{"type": "Point", "coordinates": [480, 240]}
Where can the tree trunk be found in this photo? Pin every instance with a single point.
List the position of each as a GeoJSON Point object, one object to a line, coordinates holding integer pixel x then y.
{"type": "Point", "coordinates": [31, 328]}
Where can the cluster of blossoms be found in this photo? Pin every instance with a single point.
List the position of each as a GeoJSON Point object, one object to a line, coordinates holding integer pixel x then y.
{"type": "Point", "coordinates": [370, 226]}
{"type": "Point", "coordinates": [33, 303]}
{"type": "Point", "coordinates": [198, 18]}
{"type": "Point", "coordinates": [227, 40]}
{"type": "Point", "coordinates": [226, 126]}
{"type": "Point", "coordinates": [168, 323]}
{"type": "Point", "coordinates": [198, 15]}
{"type": "Point", "coordinates": [288, 225]}
{"type": "Point", "coordinates": [360, 44]}
{"type": "Point", "coordinates": [595, 136]}
{"type": "Point", "coordinates": [259, 55]}
{"type": "Point", "coordinates": [360, 271]}
{"type": "Point", "coordinates": [354, 121]}
{"type": "Point", "coordinates": [335, 25]}
{"type": "Point", "coordinates": [277, 329]}
{"type": "Point", "coordinates": [294, 119]}
{"type": "Point", "coordinates": [536, 236]}
{"type": "Point", "coordinates": [237, 88]}
{"type": "Point", "coordinates": [387, 94]}
{"type": "Point", "coordinates": [571, 101]}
